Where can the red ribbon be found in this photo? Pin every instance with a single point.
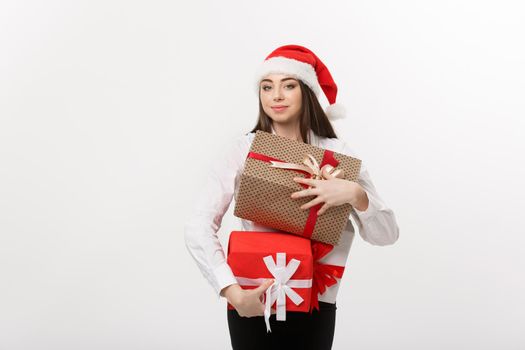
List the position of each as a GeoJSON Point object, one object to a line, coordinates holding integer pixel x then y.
{"type": "Point", "coordinates": [324, 274]}
{"type": "Point", "coordinates": [328, 158]}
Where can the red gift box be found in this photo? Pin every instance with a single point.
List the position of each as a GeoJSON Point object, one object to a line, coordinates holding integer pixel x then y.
{"type": "Point", "coordinates": [257, 256]}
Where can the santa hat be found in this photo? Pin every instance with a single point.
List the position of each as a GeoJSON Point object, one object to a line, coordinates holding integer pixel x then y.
{"type": "Point", "coordinates": [303, 64]}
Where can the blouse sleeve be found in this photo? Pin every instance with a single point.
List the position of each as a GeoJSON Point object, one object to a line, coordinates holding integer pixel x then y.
{"type": "Point", "coordinates": [200, 230]}
{"type": "Point", "coordinates": [377, 224]}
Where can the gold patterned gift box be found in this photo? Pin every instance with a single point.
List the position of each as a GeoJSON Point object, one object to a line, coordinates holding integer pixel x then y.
{"type": "Point", "coordinates": [267, 183]}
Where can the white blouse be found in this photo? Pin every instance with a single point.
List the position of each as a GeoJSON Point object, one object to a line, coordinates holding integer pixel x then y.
{"type": "Point", "coordinates": [376, 225]}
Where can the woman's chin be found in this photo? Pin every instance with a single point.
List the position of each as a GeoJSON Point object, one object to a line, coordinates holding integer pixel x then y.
{"type": "Point", "coordinates": [281, 119]}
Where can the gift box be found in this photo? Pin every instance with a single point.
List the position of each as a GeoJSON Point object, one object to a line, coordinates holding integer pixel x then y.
{"type": "Point", "coordinates": [267, 182]}
{"type": "Point", "coordinates": [257, 256]}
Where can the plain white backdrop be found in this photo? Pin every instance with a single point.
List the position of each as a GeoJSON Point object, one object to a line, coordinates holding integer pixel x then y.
{"type": "Point", "coordinates": [111, 111]}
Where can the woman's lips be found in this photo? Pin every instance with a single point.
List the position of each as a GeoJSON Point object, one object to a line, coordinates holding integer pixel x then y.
{"type": "Point", "coordinates": [279, 108]}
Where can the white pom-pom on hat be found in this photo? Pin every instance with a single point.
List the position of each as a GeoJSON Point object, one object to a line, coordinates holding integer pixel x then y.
{"type": "Point", "coordinates": [335, 111]}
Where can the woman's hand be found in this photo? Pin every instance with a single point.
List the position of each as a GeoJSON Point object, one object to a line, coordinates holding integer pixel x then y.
{"type": "Point", "coordinates": [247, 302]}
{"type": "Point", "coordinates": [332, 192]}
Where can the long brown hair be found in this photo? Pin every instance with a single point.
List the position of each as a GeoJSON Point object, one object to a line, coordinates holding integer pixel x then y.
{"type": "Point", "coordinates": [312, 117]}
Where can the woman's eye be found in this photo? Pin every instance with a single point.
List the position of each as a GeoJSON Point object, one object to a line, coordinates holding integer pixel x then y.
{"type": "Point", "coordinates": [290, 86]}
{"type": "Point", "coordinates": [266, 87]}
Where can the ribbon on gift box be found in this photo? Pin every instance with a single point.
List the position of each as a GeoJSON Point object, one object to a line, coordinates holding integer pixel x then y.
{"type": "Point", "coordinates": [324, 274]}
{"type": "Point", "coordinates": [311, 169]}
{"type": "Point", "coordinates": [281, 287]}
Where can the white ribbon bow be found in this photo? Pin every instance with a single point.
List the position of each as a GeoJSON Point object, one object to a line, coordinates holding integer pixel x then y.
{"type": "Point", "coordinates": [311, 166]}
{"type": "Point", "coordinates": [281, 287]}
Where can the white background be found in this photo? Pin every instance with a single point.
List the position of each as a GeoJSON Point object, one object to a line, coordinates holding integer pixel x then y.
{"type": "Point", "coordinates": [111, 112]}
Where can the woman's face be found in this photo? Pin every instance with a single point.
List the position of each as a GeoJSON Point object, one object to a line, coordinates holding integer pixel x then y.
{"type": "Point", "coordinates": [281, 98]}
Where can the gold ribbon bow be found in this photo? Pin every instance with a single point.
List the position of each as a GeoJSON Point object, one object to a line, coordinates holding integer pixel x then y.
{"type": "Point", "coordinates": [311, 166]}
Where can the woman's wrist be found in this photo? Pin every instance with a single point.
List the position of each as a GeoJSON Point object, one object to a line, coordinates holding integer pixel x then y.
{"type": "Point", "coordinates": [357, 196]}
{"type": "Point", "coordinates": [231, 293]}
{"type": "Point", "coordinates": [362, 203]}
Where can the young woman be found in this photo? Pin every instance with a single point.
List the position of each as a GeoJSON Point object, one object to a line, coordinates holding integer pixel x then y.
{"type": "Point", "coordinates": [288, 83]}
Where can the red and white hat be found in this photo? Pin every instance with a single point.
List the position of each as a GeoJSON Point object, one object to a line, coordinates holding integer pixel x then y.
{"type": "Point", "coordinates": [303, 64]}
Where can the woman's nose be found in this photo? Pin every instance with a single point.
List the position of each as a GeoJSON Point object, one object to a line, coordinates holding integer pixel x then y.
{"type": "Point", "coordinates": [277, 95]}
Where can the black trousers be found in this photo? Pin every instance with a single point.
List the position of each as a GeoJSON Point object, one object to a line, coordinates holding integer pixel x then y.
{"type": "Point", "coordinates": [301, 330]}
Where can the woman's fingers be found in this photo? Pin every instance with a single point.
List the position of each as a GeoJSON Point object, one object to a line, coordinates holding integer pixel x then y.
{"type": "Point", "coordinates": [323, 209]}
{"type": "Point", "coordinates": [309, 182]}
{"type": "Point", "coordinates": [259, 292]}
{"type": "Point", "coordinates": [263, 287]}
{"type": "Point", "coordinates": [253, 301]}
{"type": "Point", "coordinates": [308, 192]}
{"type": "Point", "coordinates": [305, 193]}
{"type": "Point", "coordinates": [312, 203]}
